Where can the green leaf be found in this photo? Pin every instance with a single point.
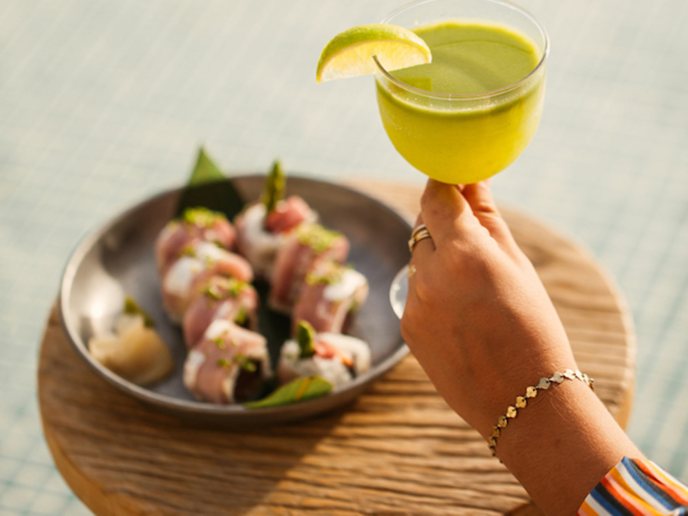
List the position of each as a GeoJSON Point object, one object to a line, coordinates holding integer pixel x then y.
{"type": "Point", "coordinates": [301, 389]}
{"type": "Point", "coordinates": [205, 170]}
{"type": "Point", "coordinates": [210, 188]}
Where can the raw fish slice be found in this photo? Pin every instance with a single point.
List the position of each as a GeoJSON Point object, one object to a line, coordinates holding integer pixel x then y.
{"type": "Point", "coordinates": [298, 254]}
{"type": "Point", "coordinates": [221, 298]}
{"type": "Point", "coordinates": [194, 225]}
{"type": "Point", "coordinates": [187, 276]}
{"type": "Point", "coordinates": [259, 237]}
{"type": "Point", "coordinates": [230, 364]}
{"type": "Point", "coordinates": [330, 296]}
{"type": "Point", "coordinates": [288, 214]}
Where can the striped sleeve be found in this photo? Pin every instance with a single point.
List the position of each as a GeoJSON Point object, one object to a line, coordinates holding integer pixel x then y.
{"type": "Point", "coordinates": [636, 486]}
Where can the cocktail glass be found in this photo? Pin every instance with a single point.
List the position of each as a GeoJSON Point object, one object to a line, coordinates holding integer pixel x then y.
{"type": "Point", "coordinates": [461, 138]}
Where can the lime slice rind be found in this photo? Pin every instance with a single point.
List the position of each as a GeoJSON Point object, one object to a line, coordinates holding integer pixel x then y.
{"type": "Point", "coordinates": [350, 53]}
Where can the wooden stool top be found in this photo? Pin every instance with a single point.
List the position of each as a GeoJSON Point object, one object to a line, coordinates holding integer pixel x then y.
{"type": "Point", "coordinates": [398, 448]}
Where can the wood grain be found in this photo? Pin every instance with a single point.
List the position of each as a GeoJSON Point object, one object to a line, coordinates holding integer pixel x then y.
{"type": "Point", "coordinates": [397, 450]}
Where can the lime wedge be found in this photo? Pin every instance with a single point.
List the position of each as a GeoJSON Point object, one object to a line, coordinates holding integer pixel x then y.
{"type": "Point", "coordinates": [350, 53]}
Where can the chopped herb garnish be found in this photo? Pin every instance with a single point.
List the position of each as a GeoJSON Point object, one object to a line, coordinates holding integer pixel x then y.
{"type": "Point", "coordinates": [212, 292]}
{"type": "Point", "coordinates": [202, 217]}
{"type": "Point", "coordinates": [223, 362]}
{"type": "Point", "coordinates": [131, 307]}
{"type": "Point", "coordinates": [235, 286]}
{"type": "Point", "coordinates": [273, 191]}
{"type": "Point", "coordinates": [241, 316]}
{"type": "Point", "coordinates": [220, 343]}
{"type": "Point", "coordinates": [316, 237]}
{"type": "Point", "coordinates": [219, 289]}
{"type": "Point", "coordinates": [245, 363]}
{"type": "Point", "coordinates": [327, 275]}
{"type": "Point", "coordinates": [189, 251]}
{"type": "Point", "coordinates": [305, 337]}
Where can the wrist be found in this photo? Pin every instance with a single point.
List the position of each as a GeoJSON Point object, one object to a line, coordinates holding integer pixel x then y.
{"type": "Point", "coordinates": [512, 382]}
{"type": "Point", "coordinates": [561, 445]}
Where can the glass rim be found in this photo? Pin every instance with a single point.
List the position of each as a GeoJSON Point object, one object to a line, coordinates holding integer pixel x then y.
{"type": "Point", "coordinates": [470, 96]}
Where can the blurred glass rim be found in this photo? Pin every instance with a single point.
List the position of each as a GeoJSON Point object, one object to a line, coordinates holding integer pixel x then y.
{"type": "Point", "coordinates": [469, 97]}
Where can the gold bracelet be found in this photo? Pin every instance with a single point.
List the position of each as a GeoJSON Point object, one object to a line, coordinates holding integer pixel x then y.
{"type": "Point", "coordinates": [531, 392]}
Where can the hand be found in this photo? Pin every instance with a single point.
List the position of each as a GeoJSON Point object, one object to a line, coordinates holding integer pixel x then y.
{"type": "Point", "coordinates": [477, 316]}
{"type": "Point", "coordinates": [481, 324]}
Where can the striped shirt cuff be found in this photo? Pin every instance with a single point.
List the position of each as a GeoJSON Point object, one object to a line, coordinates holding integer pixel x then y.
{"type": "Point", "coordinates": [636, 486]}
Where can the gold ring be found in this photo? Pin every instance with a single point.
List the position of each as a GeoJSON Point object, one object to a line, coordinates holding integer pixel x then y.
{"type": "Point", "coordinates": [418, 234]}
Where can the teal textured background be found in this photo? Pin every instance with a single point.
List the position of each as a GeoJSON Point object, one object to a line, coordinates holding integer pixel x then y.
{"type": "Point", "coordinates": [103, 103]}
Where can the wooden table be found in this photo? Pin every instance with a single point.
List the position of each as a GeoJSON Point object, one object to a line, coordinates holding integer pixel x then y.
{"type": "Point", "coordinates": [398, 449]}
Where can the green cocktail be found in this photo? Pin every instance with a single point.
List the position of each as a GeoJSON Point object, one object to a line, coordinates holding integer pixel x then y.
{"type": "Point", "coordinates": [470, 113]}
{"type": "Point", "coordinates": [460, 85]}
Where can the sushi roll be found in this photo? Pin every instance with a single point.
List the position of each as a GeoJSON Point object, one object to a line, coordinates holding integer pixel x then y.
{"type": "Point", "coordinates": [229, 365]}
{"type": "Point", "coordinates": [335, 357]}
{"type": "Point", "coordinates": [332, 293]}
{"type": "Point", "coordinates": [262, 227]}
{"type": "Point", "coordinates": [186, 277]}
{"type": "Point", "coordinates": [195, 224]}
{"type": "Point", "coordinates": [221, 298]}
{"type": "Point", "coordinates": [310, 242]}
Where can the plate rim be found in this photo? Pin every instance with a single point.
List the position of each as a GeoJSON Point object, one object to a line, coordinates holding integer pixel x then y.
{"type": "Point", "coordinates": [298, 410]}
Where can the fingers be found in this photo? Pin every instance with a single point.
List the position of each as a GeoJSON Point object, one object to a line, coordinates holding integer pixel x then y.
{"type": "Point", "coordinates": [445, 211]}
{"type": "Point", "coordinates": [408, 323]}
{"type": "Point", "coordinates": [421, 264]}
{"type": "Point", "coordinates": [455, 213]}
{"type": "Point", "coordinates": [479, 198]}
{"type": "Point", "coordinates": [423, 248]}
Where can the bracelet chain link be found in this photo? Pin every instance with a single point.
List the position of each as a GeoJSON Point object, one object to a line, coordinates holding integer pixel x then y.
{"type": "Point", "coordinates": [530, 393]}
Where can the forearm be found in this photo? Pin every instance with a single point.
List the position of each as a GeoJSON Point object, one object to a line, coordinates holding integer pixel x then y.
{"type": "Point", "coordinates": [561, 445]}
{"type": "Point", "coordinates": [480, 322]}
